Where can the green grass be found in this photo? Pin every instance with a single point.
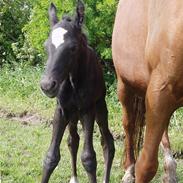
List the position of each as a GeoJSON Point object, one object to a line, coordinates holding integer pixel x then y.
{"type": "Point", "coordinates": [22, 150]}
{"type": "Point", "coordinates": [20, 91]}
{"type": "Point", "coordinates": [22, 147]}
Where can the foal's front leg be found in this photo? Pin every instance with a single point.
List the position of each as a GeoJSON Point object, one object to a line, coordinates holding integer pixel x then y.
{"type": "Point", "coordinates": [88, 156]}
{"type": "Point", "coordinates": [53, 154]}
{"type": "Point", "coordinates": [73, 144]}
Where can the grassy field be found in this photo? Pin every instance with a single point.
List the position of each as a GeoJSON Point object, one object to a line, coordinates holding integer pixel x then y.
{"type": "Point", "coordinates": [23, 145]}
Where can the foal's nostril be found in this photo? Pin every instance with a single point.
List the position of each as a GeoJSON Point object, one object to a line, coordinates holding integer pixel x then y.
{"type": "Point", "coordinates": [48, 86]}
{"type": "Point", "coordinates": [53, 85]}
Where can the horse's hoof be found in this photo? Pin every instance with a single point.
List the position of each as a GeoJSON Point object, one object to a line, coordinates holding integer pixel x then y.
{"type": "Point", "coordinates": [170, 166]}
{"type": "Point", "coordinates": [74, 180]}
{"type": "Point", "coordinates": [168, 179]}
{"type": "Point", "coordinates": [129, 175]}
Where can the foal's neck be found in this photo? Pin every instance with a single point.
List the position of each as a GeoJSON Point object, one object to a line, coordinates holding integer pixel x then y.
{"type": "Point", "coordinates": [79, 71]}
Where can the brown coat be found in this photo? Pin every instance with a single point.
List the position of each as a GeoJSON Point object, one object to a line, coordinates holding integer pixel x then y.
{"type": "Point", "coordinates": [147, 50]}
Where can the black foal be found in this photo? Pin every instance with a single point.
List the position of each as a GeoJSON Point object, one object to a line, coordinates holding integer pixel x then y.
{"type": "Point", "coordinates": [74, 76]}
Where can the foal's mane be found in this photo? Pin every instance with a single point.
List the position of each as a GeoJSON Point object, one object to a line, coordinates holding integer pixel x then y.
{"type": "Point", "coordinates": [68, 21]}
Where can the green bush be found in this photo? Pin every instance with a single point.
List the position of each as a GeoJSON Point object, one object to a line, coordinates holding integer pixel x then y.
{"type": "Point", "coordinates": [24, 26]}
{"type": "Point", "coordinates": [98, 23]}
{"type": "Point", "coordinates": [26, 53]}
{"type": "Point", "coordinates": [13, 16]}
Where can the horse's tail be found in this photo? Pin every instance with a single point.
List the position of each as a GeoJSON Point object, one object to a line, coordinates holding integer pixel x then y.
{"type": "Point", "coordinates": [139, 111]}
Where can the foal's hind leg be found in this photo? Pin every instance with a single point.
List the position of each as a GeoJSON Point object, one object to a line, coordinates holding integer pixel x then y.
{"type": "Point", "coordinates": [73, 144]}
{"type": "Point", "coordinates": [107, 139]}
{"type": "Point", "coordinates": [126, 98]}
{"type": "Point", "coordinates": [88, 156]}
{"type": "Point", "coordinates": [53, 154]}
{"type": "Point", "coordinates": [169, 162]}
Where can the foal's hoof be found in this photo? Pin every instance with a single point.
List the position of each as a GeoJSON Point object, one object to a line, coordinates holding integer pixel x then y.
{"type": "Point", "coordinates": [74, 180]}
{"type": "Point", "coordinates": [170, 166]}
{"type": "Point", "coordinates": [129, 175]}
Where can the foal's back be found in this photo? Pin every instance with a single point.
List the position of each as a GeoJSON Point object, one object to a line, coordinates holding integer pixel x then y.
{"type": "Point", "coordinates": [91, 75]}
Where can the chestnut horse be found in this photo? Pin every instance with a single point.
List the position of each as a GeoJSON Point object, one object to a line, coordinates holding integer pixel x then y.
{"type": "Point", "coordinates": [147, 50]}
{"type": "Point", "coordinates": [74, 77]}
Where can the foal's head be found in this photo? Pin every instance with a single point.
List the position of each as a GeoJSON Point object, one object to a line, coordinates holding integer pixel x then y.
{"type": "Point", "coordinates": [63, 48]}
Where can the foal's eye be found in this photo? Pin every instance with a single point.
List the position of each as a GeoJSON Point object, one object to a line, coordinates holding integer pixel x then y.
{"type": "Point", "coordinates": [73, 49]}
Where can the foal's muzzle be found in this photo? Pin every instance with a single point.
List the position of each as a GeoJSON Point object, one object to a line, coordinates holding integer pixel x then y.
{"type": "Point", "coordinates": [49, 87]}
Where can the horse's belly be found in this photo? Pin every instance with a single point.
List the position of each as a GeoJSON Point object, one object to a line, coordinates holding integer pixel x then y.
{"type": "Point", "coordinates": [129, 40]}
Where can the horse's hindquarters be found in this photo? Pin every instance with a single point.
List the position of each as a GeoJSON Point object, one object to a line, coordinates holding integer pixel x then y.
{"type": "Point", "coordinates": [128, 42]}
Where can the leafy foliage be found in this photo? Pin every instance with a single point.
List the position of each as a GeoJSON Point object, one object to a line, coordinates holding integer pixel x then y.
{"type": "Point", "coordinates": [99, 23]}
{"type": "Point", "coordinates": [24, 26]}
{"type": "Point", "coordinates": [13, 16]}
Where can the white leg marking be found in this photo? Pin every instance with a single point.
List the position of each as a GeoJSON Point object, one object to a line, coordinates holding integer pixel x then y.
{"type": "Point", "coordinates": [74, 180]}
{"type": "Point", "coordinates": [170, 166]}
{"type": "Point", "coordinates": [129, 175]}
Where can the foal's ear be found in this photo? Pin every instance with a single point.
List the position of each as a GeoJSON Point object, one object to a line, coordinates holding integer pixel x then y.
{"type": "Point", "coordinates": [53, 14]}
{"type": "Point", "coordinates": [80, 10]}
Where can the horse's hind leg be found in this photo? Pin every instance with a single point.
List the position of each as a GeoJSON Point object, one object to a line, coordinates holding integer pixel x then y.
{"type": "Point", "coordinates": [88, 156]}
{"type": "Point", "coordinates": [126, 96]}
{"type": "Point", "coordinates": [159, 108]}
{"type": "Point", "coordinates": [107, 140]}
{"type": "Point", "coordinates": [169, 162]}
{"type": "Point", "coordinates": [73, 144]}
{"type": "Point", "coordinates": [53, 154]}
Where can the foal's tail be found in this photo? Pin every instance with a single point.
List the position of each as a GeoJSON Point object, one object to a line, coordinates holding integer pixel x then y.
{"type": "Point", "coordinates": [139, 111]}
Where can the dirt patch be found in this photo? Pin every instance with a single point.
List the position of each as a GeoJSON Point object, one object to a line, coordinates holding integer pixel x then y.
{"type": "Point", "coordinates": [25, 117]}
